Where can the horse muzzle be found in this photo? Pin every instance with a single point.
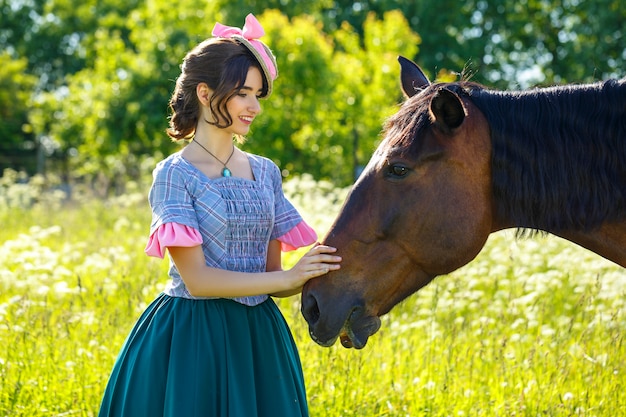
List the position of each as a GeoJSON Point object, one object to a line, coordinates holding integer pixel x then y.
{"type": "Point", "coordinates": [338, 319]}
{"type": "Point", "coordinates": [358, 328]}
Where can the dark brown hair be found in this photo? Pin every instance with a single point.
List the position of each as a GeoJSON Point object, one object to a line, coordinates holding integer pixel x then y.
{"type": "Point", "coordinates": [223, 65]}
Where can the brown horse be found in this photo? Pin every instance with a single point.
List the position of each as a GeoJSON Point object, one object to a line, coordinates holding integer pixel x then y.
{"type": "Point", "coordinates": [458, 162]}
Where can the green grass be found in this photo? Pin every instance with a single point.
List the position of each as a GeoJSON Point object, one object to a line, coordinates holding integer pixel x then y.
{"type": "Point", "coordinates": [532, 327]}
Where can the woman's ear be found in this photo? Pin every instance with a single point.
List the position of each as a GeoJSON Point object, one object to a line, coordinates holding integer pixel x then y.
{"type": "Point", "coordinates": [204, 93]}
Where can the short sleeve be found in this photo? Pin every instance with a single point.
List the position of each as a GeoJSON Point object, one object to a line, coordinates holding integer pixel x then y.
{"type": "Point", "coordinates": [299, 236]}
{"type": "Point", "coordinates": [172, 234]}
{"type": "Point", "coordinates": [289, 227]}
{"type": "Point", "coordinates": [170, 200]}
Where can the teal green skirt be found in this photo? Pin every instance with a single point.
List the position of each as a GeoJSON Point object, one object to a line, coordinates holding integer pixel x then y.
{"type": "Point", "coordinates": [207, 358]}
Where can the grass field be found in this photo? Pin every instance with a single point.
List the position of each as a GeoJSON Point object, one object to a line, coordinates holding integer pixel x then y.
{"type": "Point", "coordinates": [532, 327]}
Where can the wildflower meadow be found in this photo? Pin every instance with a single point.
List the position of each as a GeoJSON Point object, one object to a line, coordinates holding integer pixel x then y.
{"type": "Point", "coordinates": [533, 326]}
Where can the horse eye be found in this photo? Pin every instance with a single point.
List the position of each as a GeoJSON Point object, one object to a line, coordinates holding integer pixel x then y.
{"type": "Point", "coordinates": [397, 171]}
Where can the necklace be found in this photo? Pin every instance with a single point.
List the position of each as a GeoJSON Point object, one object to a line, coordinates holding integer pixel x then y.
{"type": "Point", "coordinates": [225, 172]}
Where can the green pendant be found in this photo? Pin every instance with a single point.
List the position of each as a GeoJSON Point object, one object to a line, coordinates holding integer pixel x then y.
{"type": "Point", "coordinates": [226, 172]}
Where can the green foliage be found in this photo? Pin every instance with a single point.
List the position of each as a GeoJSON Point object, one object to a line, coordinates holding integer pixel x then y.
{"type": "Point", "coordinates": [530, 327]}
{"type": "Point", "coordinates": [509, 44]}
{"type": "Point", "coordinates": [567, 41]}
{"type": "Point", "coordinates": [293, 117]}
{"type": "Point", "coordinates": [15, 95]}
{"type": "Point", "coordinates": [103, 70]}
{"type": "Point", "coordinates": [117, 107]}
{"type": "Point", "coordinates": [332, 93]}
{"type": "Point", "coordinates": [366, 94]}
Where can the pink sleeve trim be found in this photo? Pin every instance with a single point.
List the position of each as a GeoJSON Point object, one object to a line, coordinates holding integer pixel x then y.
{"type": "Point", "coordinates": [171, 234]}
{"type": "Point", "coordinates": [300, 235]}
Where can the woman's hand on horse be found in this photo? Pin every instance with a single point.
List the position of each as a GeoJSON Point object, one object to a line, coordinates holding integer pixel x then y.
{"type": "Point", "coordinates": [317, 261]}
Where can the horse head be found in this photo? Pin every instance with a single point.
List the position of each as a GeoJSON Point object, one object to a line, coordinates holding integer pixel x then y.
{"type": "Point", "coordinates": [421, 208]}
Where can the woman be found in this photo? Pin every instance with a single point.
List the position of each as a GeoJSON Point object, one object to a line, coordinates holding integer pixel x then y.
{"type": "Point", "coordinates": [214, 343]}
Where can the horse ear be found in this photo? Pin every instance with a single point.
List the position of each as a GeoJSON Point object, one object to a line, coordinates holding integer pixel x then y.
{"type": "Point", "coordinates": [412, 77]}
{"type": "Point", "coordinates": [447, 109]}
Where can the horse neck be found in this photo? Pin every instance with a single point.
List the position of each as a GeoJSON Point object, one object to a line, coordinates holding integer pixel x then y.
{"type": "Point", "coordinates": [608, 241]}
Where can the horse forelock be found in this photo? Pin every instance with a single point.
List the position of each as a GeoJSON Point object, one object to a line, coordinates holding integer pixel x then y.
{"type": "Point", "coordinates": [559, 154]}
{"type": "Point", "coordinates": [405, 128]}
{"type": "Point", "coordinates": [401, 129]}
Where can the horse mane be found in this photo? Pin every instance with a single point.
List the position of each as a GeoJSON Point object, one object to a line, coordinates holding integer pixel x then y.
{"type": "Point", "coordinates": [558, 153]}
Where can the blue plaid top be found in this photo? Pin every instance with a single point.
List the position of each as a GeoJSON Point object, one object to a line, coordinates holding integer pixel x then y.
{"type": "Point", "coordinates": [236, 217]}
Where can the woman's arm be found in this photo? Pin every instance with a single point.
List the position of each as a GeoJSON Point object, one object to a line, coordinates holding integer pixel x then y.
{"type": "Point", "coordinates": [204, 281]}
{"type": "Point", "coordinates": [274, 259]}
{"type": "Point", "coordinates": [274, 263]}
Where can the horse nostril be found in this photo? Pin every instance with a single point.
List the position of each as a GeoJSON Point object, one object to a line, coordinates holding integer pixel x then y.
{"type": "Point", "coordinates": [310, 310]}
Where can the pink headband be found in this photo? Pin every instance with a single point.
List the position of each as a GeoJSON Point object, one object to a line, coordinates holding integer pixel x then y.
{"type": "Point", "coordinates": [252, 30]}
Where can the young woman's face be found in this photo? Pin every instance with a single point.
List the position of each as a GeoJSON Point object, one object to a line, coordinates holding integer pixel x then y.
{"type": "Point", "coordinates": [245, 106]}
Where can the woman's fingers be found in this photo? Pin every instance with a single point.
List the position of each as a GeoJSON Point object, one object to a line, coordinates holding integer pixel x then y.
{"type": "Point", "coordinates": [322, 254]}
{"type": "Point", "coordinates": [319, 261]}
{"type": "Point", "coordinates": [322, 259]}
{"type": "Point", "coordinates": [322, 249]}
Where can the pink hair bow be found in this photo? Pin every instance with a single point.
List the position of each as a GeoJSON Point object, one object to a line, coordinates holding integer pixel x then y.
{"type": "Point", "coordinates": [252, 31]}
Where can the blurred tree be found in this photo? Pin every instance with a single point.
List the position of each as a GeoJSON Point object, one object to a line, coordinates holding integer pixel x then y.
{"type": "Point", "coordinates": [328, 97]}
{"type": "Point", "coordinates": [549, 42]}
{"type": "Point", "coordinates": [18, 141]}
{"type": "Point", "coordinates": [235, 11]}
{"type": "Point", "coordinates": [332, 94]}
{"type": "Point", "coordinates": [103, 69]}
{"type": "Point", "coordinates": [114, 111]}
{"type": "Point", "coordinates": [294, 117]}
{"type": "Point", "coordinates": [368, 88]}
{"type": "Point", "coordinates": [53, 35]}
{"type": "Point", "coordinates": [507, 43]}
